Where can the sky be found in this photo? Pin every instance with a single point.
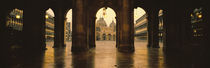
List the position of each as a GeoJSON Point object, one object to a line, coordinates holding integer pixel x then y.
{"type": "Point", "coordinates": [50, 11]}
{"type": "Point", "coordinates": [109, 17]}
{"type": "Point", "coordinates": [138, 12]}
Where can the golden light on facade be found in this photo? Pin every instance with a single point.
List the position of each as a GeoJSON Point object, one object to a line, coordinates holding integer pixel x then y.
{"type": "Point", "coordinates": [46, 16]}
{"type": "Point", "coordinates": [195, 31]}
{"type": "Point", "coordinates": [191, 15]}
{"type": "Point", "coordinates": [18, 16]}
{"type": "Point", "coordinates": [199, 16]}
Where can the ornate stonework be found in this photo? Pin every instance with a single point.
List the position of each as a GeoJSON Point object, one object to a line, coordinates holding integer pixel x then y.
{"type": "Point", "coordinates": [104, 32]}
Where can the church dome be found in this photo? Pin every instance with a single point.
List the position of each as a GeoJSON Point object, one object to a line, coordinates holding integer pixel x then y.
{"type": "Point", "coordinates": [101, 22]}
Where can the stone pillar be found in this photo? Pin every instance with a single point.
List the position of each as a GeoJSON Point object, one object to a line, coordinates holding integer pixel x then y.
{"type": "Point", "coordinates": [117, 31]}
{"type": "Point", "coordinates": [153, 30]}
{"type": "Point", "coordinates": [3, 28]}
{"type": "Point", "coordinates": [125, 26]}
{"type": "Point", "coordinates": [92, 42]}
{"type": "Point", "coordinates": [59, 40]}
{"type": "Point", "coordinates": [174, 24]}
{"type": "Point", "coordinates": [33, 29]}
{"type": "Point", "coordinates": [206, 16]}
{"type": "Point", "coordinates": [4, 41]}
{"type": "Point", "coordinates": [79, 36]}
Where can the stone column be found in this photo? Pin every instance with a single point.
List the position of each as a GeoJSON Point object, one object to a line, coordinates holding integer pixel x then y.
{"type": "Point", "coordinates": [33, 29]}
{"type": "Point", "coordinates": [4, 41]}
{"type": "Point", "coordinates": [125, 28]}
{"type": "Point", "coordinates": [59, 40]}
{"type": "Point", "coordinates": [92, 42]}
{"type": "Point", "coordinates": [153, 30]}
{"type": "Point", "coordinates": [117, 31]}
{"type": "Point", "coordinates": [3, 28]}
{"type": "Point", "coordinates": [174, 23]}
{"type": "Point", "coordinates": [79, 37]}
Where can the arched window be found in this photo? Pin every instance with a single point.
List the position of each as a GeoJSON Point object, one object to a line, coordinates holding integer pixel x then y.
{"type": "Point", "coordinates": [49, 26]}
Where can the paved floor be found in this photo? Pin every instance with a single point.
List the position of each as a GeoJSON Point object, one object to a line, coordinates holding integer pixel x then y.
{"type": "Point", "coordinates": [104, 55]}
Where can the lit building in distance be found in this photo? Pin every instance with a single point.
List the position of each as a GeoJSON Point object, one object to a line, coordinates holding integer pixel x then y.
{"type": "Point", "coordinates": [15, 26]}
{"type": "Point", "coordinates": [141, 28]}
{"type": "Point", "coordinates": [104, 32]}
{"type": "Point", "coordinates": [197, 24]}
{"type": "Point", "coordinates": [68, 31]}
{"type": "Point", "coordinates": [49, 27]}
{"type": "Point", "coordinates": [15, 20]}
{"type": "Point", "coordinates": [160, 16]}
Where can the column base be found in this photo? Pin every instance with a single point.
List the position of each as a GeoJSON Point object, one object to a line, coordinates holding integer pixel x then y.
{"type": "Point", "coordinates": [156, 47]}
{"type": "Point", "coordinates": [126, 49]}
{"type": "Point", "coordinates": [79, 49]}
{"type": "Point", "coordinates": [152, 46]}
{"type": "Point", "coordinates": [92, 46]}
{"type": "Point", "coordinates": [59, 46]}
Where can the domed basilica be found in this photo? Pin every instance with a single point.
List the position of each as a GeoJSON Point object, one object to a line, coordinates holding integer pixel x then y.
{"type": "Point", "coordinates": [104, 32]}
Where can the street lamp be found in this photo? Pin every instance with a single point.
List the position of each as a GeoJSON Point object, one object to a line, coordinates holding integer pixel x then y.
{"type": "Point", "coordinates": [199, 16]}
{"type": "Point", "coordinates": [46, 16]}
{"type": "Point", "coordinates": [18, 16]}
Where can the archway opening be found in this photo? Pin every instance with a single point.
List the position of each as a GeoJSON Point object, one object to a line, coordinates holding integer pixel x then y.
{"type": "Point", "coordinates": [14, 25]}
{"type": "Point", "coordinates": [161, 32]}
{"type": "Point", "coordinates": [68, 27]}
{"type": "Point", "coordinates": [49, 27]}
{"type": "Point", "coordinates": [105, 26]}
{"type": "Point", "coordinates": [197, 24]}
{"type": "Point", "coordinates": [140, 27]}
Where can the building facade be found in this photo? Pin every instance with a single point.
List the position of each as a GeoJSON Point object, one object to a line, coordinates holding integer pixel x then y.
{"type": "Point", "coordinates": [68, 31]}
{"type": "Point", "coordinates": [197, 25]}
{"type": "Point", "coordinates": [141, 28]}
{"type": "Point", "coordinates": [15, 26]}
{"type": "Point", "coordinates": [104, 32]}
{"type": "Point", "coordinates": [49, 27]}
{"type": "Point", "coordinates": [15, 20]}
{"type": "Point", "coordinates": [160, 16]}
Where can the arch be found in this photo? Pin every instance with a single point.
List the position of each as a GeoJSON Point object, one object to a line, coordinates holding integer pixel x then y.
{"type": "Point", "coordinates": [197, 24]}
{"type": "Point", "coordinates": [140, 24]}
{"type": "Point", "coordinates": [49, 25]}
{"type": "Point", "coordinates": [104, 17]}
{"type": "Point", "coordinates": [104, 36]}
{"type": "Point", "coordinates": [110, 10]}
{"type": "Point", "coordinates": [98, 6]}
{"type": "Point", "coordinates": [109, 36]}
{"type": "Point", "coordinates": [98, 36]}
{"type": "Point", "coordinates": [68, 21]}
{"type": "Point", "coordinates": [160, 25]}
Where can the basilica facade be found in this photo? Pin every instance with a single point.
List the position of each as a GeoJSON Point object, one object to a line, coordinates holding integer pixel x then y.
{"type": "Point", "coordinates": [104, 32]}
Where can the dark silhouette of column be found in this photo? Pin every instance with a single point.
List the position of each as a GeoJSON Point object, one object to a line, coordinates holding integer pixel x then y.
{"type": "Point", "coordinates": [59, 40]}
{"type": "Point", "coordinates": [153, 28]}
{"type": "Point", "coordinates": [33, 29]}
{"type": "Point", "coordinates": [125, 28]}
{"type": "Point", "coordinates": [92, 41]}
{"type": "Point", "coordinates": [3, 28]}
{"type": "Point", "coordinates": [176, 28]}
{"type": "Point", "coordinates": [4, 41]}
{"type": "Point", "coordinates": [117, 32]}
{"type": "Point", "coordinates": [79, 35]}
